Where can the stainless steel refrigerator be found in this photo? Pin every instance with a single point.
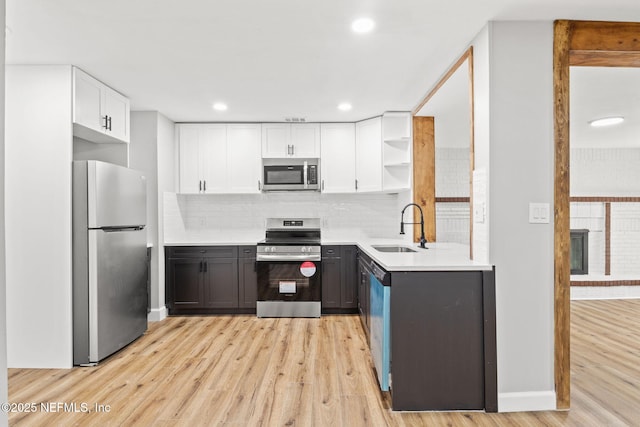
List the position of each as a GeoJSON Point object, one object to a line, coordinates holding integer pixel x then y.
{"type": "Point", "coordinates": [109, 259]}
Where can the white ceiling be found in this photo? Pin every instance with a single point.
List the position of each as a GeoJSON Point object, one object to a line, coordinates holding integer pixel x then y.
{"type": "Point", "coordinates": [269, 59]}
{"type": "Point", "coordinates": [598, 92]}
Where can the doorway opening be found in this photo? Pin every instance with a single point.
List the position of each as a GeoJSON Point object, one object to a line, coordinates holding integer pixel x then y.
{"type": "Point", "coordinates": [576, 43]}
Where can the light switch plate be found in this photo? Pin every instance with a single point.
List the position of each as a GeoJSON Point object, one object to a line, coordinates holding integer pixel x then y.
{"type": "Point", "coordinates": [539, 213]}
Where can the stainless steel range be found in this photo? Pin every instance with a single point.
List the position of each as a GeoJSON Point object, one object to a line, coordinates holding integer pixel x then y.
{"type": "Point", "coordinates": [289, 269]}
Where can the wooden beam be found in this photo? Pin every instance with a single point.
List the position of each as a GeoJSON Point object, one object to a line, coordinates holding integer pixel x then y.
{"type": "Point", "coordinates": [604, 36]}
{"type": "Point", "coordinates": [424, 174]}
{"type": "Point", "coordinates": [562, 267]}
{"type": "Point", "coordinates": [591, 58]}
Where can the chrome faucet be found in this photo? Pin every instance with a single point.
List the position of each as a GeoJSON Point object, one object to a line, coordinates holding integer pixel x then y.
{"type": "Point", "coordinates": [402, 223]}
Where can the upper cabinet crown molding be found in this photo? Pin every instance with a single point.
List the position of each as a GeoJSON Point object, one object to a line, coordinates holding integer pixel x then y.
{"type": "Point", "coordinates": [296, 140]}
{"type": "Point", "coordinates": [100, 114]}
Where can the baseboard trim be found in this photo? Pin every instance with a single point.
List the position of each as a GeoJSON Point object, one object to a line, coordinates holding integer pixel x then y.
{"type": "Point", "coordinates": [157, 314]}
{"type": "Point", "coordinates": [527, 401]}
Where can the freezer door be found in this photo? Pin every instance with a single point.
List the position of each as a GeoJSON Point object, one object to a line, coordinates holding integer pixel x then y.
{"type": "Point", "coordinates": [117, 290]}
{"type": "Point", "coordinates": [116, 196]}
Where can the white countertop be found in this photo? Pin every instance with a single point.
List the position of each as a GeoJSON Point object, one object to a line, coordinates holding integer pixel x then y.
{"type": "Point", "coordinates": [437, 256]}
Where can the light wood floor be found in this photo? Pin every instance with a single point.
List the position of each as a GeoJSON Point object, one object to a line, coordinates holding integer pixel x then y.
{"type": "Point", "coordinates": [244, 371]}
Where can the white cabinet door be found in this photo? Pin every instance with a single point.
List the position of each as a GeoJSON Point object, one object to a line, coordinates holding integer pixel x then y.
{"type": "Point", "coordinates": [305, 140]}
{"type": "Point", "coordinates": [276, 140]}
{"type": "Point", "coordinates": [188, 143]}
{"type": "Point", "coordinates": [87, 101]}
{"type": "Point", "coordinates": [369, 155]}
{"type": "Point", "coordinates": [116, 108]}
{"type": "Point", "coordinates": [100, 114]}
{"type": "Point", "coordinates": [243, 158]}
{"type": "Point", "coordinates": [338, 157]}
{"type": "Point", "coordinates": [213, 158]}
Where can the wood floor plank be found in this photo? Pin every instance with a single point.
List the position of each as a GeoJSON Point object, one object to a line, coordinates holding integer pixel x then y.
{"type": "Point", "coordinates": [245, 371]}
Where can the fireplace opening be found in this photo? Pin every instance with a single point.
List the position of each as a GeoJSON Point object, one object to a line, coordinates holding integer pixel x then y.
{"type": "Point", "coordinates": [579, 251]}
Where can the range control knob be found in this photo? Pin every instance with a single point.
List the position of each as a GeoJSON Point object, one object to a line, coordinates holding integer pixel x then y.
{"type": "Point", "coordinates": [273, 248]}
{"type": "Point", "coordinates": [303, 249]}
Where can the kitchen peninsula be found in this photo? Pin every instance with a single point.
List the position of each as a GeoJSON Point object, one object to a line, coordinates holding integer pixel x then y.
{"type": "Point", "coordinates": [429, 314]}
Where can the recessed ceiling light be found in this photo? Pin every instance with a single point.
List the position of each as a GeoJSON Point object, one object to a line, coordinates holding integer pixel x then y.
{"type": "Point", "coordinates": [606, 121]}
{"type": "Point", "coordinates": [345, 106]}
{"type": "Point", "coordinates": [219, 106]}
{"type": "Point", "coordinates": [362, 25]}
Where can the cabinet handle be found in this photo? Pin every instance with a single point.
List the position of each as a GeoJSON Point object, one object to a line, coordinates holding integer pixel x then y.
{"type": "Point", "coordinates": [106, 122]}
{"type": "Point", "coordinates": [109, 122]}
{"type": "Point", "coordinates": [200, 267]}
{"type": "Point", "coordinates": [205, 266]}
{"type": "Point", "coordinates": [259, 185]}
{"type": "Point", "coordinates": [204, 186]}
{"type": "Point", "coordinates": [199, 185]}
{"type": "Point", "coordinates": [322, 185]}
{"type": "Point", "coordinates": [288, 150]}
{"type": "Point", "coordinates": [356, 185]}
{"type": "Point", "coordinates": [293, 150]}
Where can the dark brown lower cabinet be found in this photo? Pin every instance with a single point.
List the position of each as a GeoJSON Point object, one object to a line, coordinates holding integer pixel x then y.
{"type": "Point", "coordinates": [443, 341]}
{"type": "Point", "coordinates": [339, 279]}
{"type": "Point", "coordinates": [201, 278]}
{"type": "Point", "coordinates": [247, 277]}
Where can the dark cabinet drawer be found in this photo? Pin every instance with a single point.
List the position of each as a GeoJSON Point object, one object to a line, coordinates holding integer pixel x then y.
{"type": "Point", "coordinates": [202, 251]}
{"type": "Point", "coordinates": [246, 251]}
{"type": "Point", "coordinates": [331, 251]}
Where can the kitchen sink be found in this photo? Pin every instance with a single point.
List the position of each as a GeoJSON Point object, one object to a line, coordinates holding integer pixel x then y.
{"type": "Point", "coordinates": [398, 249]}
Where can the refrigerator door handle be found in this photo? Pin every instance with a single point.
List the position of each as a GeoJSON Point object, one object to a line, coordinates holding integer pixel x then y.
{"type": "Point", "coordinates": [117, 229]}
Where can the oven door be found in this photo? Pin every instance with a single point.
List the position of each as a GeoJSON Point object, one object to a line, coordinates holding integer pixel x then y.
{"type": "Point", "coordinates": [289, 281]}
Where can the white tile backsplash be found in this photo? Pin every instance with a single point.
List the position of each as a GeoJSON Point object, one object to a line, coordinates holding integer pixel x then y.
{"type": "Point", "coordinates": [218, 217]}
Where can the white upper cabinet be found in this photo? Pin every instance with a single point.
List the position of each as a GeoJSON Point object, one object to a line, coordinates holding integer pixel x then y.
{"type": "Point", "coordinates": [290, 140]}
{"type": "Point", "coordinates": [305, 140]}
{"type": "Point", "coordinates": [213, 158]}
{"type": "Point", "coordinates": [100, 114]}
{"type": "Point", "coordinates": [189, 159]}
{"type": "Point", "coordinates": [202, 151]}
{"type": "Point", "coordinates": [219, 158]}
{"type": "Point", "coordinates": [369, 155]}
{"type": "Point", "coordinates": [244, 161]}
{"type": "Point", "coordinates": [338, 157]}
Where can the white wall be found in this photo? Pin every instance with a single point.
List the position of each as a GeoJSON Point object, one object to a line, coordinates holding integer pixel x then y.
{"type": "Point", "coordinates": [521, 152]}
{"type": "Point", "coordinates": [151, 151]}
{"type": "Point", "coordinates": [38, 216]}
{"type": "Point", "coordinates": [482, 134]}
{"type": "Point", "coordinates": [167, 177]}
{"type": "Point", "coordinates": [3, 300]}
{"type": "Point", "coordinates": [605, 172]}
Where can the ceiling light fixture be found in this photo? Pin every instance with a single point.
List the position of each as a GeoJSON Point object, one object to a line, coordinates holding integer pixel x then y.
{"type": "Point", "coordinates": [606, 121]}
{"type": "Point", "coordinates": [362, 25]}
{"type": "Point", "coordinates": [345, 106]}
{"type": "Point", "coordinates": [219, 106]}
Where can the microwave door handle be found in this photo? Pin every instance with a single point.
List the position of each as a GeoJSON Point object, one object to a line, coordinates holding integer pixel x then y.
{"type": "Point", "coordinates": [305, 172]}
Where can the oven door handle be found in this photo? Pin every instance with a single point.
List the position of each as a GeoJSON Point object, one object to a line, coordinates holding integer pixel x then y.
{"type": "Point", "coordinates": [276, 257]}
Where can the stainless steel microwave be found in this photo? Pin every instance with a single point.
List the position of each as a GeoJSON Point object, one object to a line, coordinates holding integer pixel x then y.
{"type": "Point", "coordinates": [290, 174]}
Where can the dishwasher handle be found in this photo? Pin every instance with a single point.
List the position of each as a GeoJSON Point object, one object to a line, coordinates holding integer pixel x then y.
{"type": "Point", "coordinates": [380, 273]}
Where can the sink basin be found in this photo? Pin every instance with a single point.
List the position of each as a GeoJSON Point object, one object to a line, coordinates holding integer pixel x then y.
{"type": "Point", "coordinates": [398, 249]}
